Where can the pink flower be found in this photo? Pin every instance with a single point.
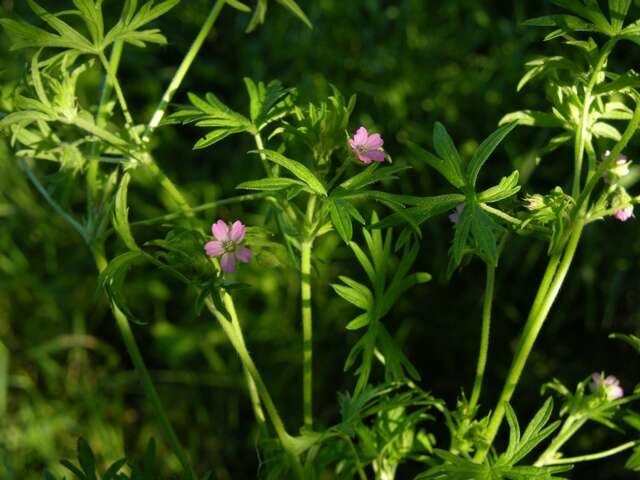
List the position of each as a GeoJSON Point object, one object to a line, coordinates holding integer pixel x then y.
{"type": "Point", "coordinates": [368, 148]}
{"type": "Point", "coordinates": [624, 214]}
{"type": "Point", "coordinates": [455, 216]}
{"type": "Point", "coordinates": [610, 384]}
{"type": "Point", "coordinates": [227, 245]}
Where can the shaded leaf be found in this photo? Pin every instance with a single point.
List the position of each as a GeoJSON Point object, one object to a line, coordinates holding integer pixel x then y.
{"type": "Point", "coordinates": [446, 149]}
{"type": "Point", "coordinates": [121, 214]}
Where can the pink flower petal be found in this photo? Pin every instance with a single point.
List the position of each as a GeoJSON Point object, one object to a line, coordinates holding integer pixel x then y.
{"type": "Point", "coordinates": [243, 254]}
{"type": "Point", "coordinates": [376, 155]}
{"type": "Point", "coordinates": [364, 158]}
{"type": "Point", "coordinates": [374, 142]}
{"type": "Point", "coordinates": [352, 144]}
{"type": "Point", "coordinates": [624, 214]}
{"type": "Point", "coordinates": [237, 231]}
{"type": "Point", "coordinates": [455, 217]}
{"type": "Point", "coordinates": [361, 136]}
{"type": "Point", "coordinates": [611, 380]}
{"type": "Point", "coordinates": [214, 248]}
{"type": "Point", "coordinates": [228, 263]}
{"type": "Point", "coordinates": [615, 392]}
{"type": "Point", "coordinates": [220, 230]}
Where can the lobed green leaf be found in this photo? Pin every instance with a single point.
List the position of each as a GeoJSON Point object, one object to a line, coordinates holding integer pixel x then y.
{"type": "Point", "coordinates": [297, 169]}
{"type": "Point", "coordinates": [485, 149]}
{"type": "Point", "coordinates": [121, 215]}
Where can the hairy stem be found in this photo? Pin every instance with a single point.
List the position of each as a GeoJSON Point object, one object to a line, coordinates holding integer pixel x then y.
{"type": "Point", "coordinates": [183, 69]}
{"type": "Point", "coordinates": [484, 336]}
{"type": "Point", "coordinates": [547, 293]}
{"type": "Point", "coordinates": [263, 158]}
{"type": "Point", "coordinates": [594, 177]}
{"type": "Point", "coordinates": [251, 384]}
{"type": "Point", "coordinates": [102, 134]}
{"type": "Point", "coordinates": [571, 425]}
{"type": "Point", "coordinates": [581, 133]}
{"type": "Point", "coordinates": [592, 456]}
{"type": "Point", "coordinates": [286, 440]}
{"type": "Point", "coordinates": [113, 78]}
{"type": "Point", "coordinates": [93, 163]}
{"type": "Point", "coordinates": [205, 206]}
{"type": "Point", "coordinates": [145, 378]}
{"type": "Point", "coordinates": [307, 332]}
{"type": "Point", "coordinates": [174, 192]}
{"type": "Point", "coordinates": [511, 219]}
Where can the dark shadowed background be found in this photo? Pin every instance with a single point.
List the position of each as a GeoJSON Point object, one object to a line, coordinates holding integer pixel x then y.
{"type": "Point", "coordinates": [411, 63]}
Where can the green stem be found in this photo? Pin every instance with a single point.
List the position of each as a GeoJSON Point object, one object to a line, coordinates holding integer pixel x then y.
{"type": "Point", "coordinates": [484, 336]}
{"type": "Point", "coordinates": [581, 133]}
{"type": "Point", "coordinates": [600, 214]}
{"type": "Point", "coordinates": [286, 440]}
{"type": "Point", "coordinates": [593, 456]}
{"type": "Point", "coordinates": [174, 192]}
{"type": "Point", "coordinates": [183, 69]}
{"type": "Point", "coordinates": [307, 332]}
{"type": "Point", "coordinates": [513, 220]}
{"type": "Point", "coordinates": [631, 129]}
{"type": "Point", "coordinates": [101, 133]}
{"type": "Point", "coordinates": [93, 164]}
{"type": "Point", "coordinates": [545, 284]}
{"type": "Point", "coordinates": [263, 158]}
{"type": "Point", "coordinates": [129, 124]}
{"type": "Point", "coordinates": [356, 457]}
{"type": "Point", "coordinates": [568, 430]}
{"type": "Point", "coordinates": [547, 293]}
{"type": "Point", "coordinates": [251, 385]}
{"type": "Point", "coordinates": [55, 205]}
{"type": "Point", "coordinates": [145, 378]}
{"type": "Point", "coordinates": [205, 206]}
{"type": "Point", "coordinates": [150, 391]}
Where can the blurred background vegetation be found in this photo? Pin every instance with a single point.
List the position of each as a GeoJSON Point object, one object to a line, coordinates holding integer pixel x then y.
{"type": "Point", "coordinates": [410, 62]}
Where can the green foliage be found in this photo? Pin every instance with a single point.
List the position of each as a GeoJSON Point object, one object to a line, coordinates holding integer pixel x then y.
{"type": "Point", "coordinates": [475, 230]}
{"type": "Point", "coordinates": [505, 466]}
{"type": "Point", "coordinates": [260, 13]}
{"type": "Point", "coordinates": [267, 104]}
{"type": "Point", "coordinates": [321, 127]}
{"type": "Point", "coordinates": [127, 29]}
{"type": "Point", "coordinates": [121, 215]}
{"type": "Point", "coordinates": [91, 163]}
{"type": "Point", "coordinates": [629, 339]}
{"type": "Point", "coordinates": [377, 301]}
{"type": "Point", "coordinates": [341, 200]}
{"type": "Point", "coordinates": [114, 276]}
{"type": "Point", "coordinates": [380, 427]}
{"type": "Point", "coordinates": [211, 112]}
{"type": "Point", "coordinates": [633, 462]}
{"type": "Point", "coordinates": [298, 170]}
{"type": "Point", "coordinates": [146, 469]}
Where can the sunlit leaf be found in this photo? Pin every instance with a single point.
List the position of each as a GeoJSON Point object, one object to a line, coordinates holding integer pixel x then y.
{"type": "Point", "coordinates": [485, 149]}
{"type": "Point", "coordinates": [270, 184]}
{"type": "Point", "coordinates": [298, 170]}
